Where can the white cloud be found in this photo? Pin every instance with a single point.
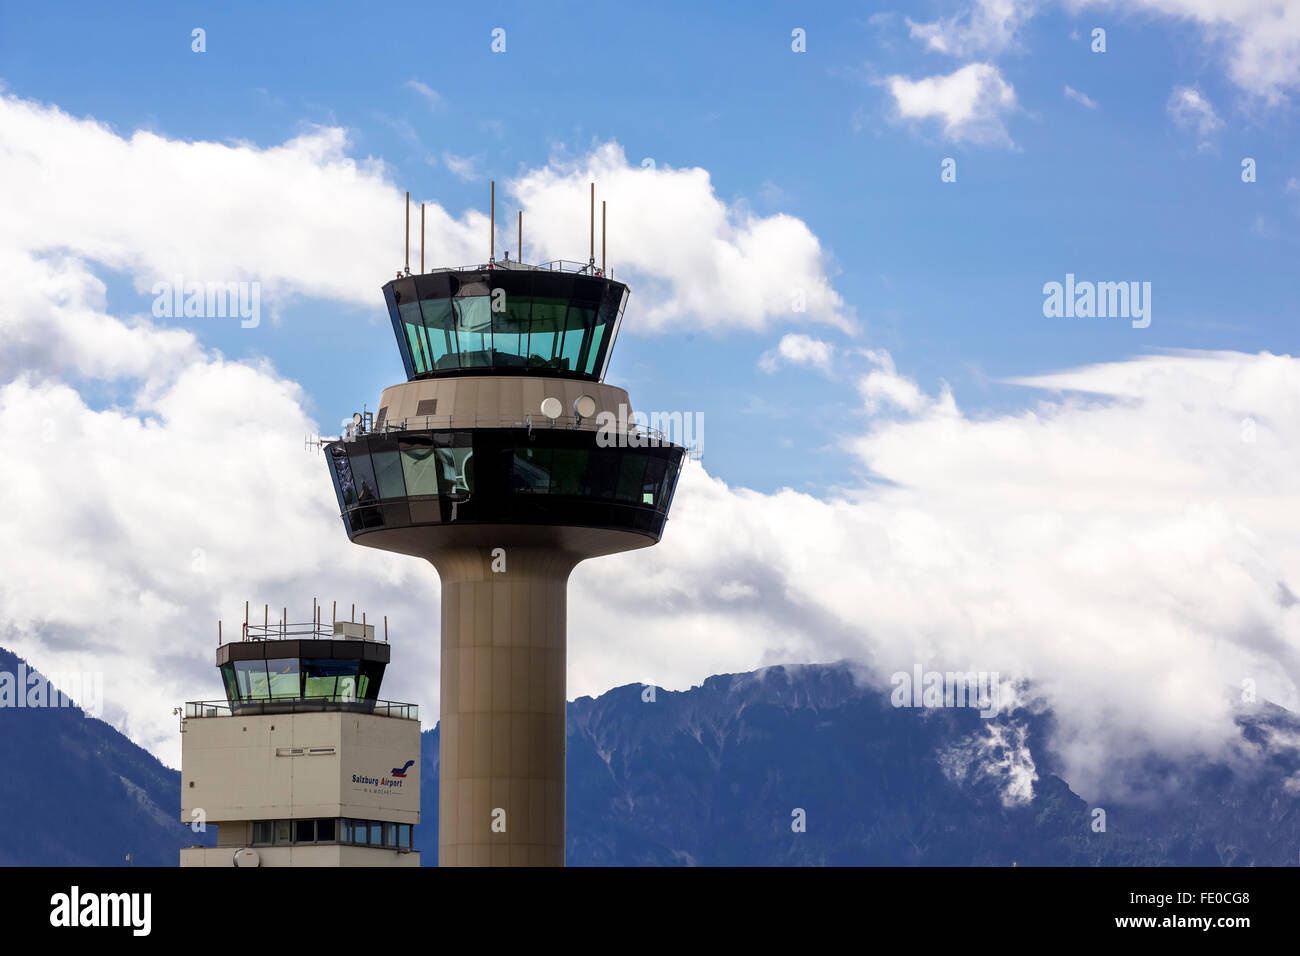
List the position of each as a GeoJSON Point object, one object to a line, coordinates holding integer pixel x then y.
{"type": "Point", "coordinates": [969, 102]}
{"type": "Point", "coordinates": [694, 258]}
{"type": "Point", "coordinates": [431, 96]}
{"type": "Point", "coordinates": [1189, 109]}
{"type": "Point", "coordinates": [1260, 38]}
{"type": "Point", "coordinates": [987, 27]}
{"type": "Point", "coordinates": [1081, 98]}
{"type": "Point", "coordinates": [1115, 542]}
{"type": "Point", "coordinates": [304, 218]}
{"type": "Point", "coordinates": [797, 349]}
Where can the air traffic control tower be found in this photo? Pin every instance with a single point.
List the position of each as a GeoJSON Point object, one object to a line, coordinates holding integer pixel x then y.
{"type": "Point", "coordinates": [504, 460]}
{"type": "Point", "coordinates": [302, 764]}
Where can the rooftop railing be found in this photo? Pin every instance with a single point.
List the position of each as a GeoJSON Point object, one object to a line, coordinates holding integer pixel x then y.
{"type": "Point", "coordinates": [281, 631]}
{"type": "Point", "coordinates": [644, 436]}
{"type": "Point", "coordinates": [554, 265]}
{"type": "Point", "coordinates": [293, 705]}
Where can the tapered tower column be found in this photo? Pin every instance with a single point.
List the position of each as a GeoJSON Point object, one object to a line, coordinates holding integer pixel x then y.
{"type": "Point", "coordinates": [501, 789]}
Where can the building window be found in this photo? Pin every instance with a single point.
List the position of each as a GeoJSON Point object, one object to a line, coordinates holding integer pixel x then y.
{"type": "Point", "coordinates": [262, 832]}
{"type": "Point", "coordinates": [283, 832]}
{"type": "Point", "coordinates": [325, 830]}
{"type": "Point", "coordinates": [404, 836]}
{"type": "Point", "coordinates": [304, 831]}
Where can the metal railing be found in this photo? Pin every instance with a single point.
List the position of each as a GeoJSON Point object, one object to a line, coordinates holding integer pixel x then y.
{"type": "Point", "coordinates": [645, 436]}
{"type": "Point", "coordinates": [280, 630]}
{"type": "Point", "coordinates": [554, 265]}
{"type": "Point", "coordinates": [293, 705]}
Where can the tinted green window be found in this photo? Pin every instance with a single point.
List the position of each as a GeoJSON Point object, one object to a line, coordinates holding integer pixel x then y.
{"type": "Point", "coordinates": [388, 474]}
{"type": "Point", "coordinates": [602, 473]}
{"type": "Point", "coordinates": [531, 473]}
{"type": "Point", "coordinates": [412, 322]}
{"type": "Point", "coordinates": [567, 469]}
{"type": "Point", "coordinates": [371, 676]}
{"type": "Point", "coordinates": [577, 322]}
{"type": "Point", "coordinates": [629, 478]}
{"type": "Point", "coordinates": [228, 677]}
{"type": "Point", "coordinates": [440, 326]}
{"type": "Point", "coordinates": [347, 688]}
{"type": "Point", "coordinates": [283, 676]}
{"type": "Point", "coordinates": [420, 469]}
{"type": "Point", "coordinates": [322, 676]}
{"type": "Point", "coordinates": [363, 473]}
{"type": "Point", "coordinates": [252, 680]}
{"type": "Point", "coordinates": [474, 330]}
{"type": "Point", "coordinates": [510, 331]}
{"type": "Point", "coordinates": [651, 484]}
{"type": "Point", "coordinates": [593, 351]}
{"type": "Point", "coordinates": [344, 484]}
{"type": "Point", "coordinates": [547, 321]}
{"type": "Point", "coordinates": [455, 471]}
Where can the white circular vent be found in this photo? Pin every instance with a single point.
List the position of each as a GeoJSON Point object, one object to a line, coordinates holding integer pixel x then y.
{"type": "Point", "coordinates": [551, 407]}
{"type": "Point", "coordinates": [584, 406]}
{"type": "Point", "coordinates": [247, 857]}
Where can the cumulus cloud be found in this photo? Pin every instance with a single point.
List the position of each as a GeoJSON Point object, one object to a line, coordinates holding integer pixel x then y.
{"type": "Point", "coordinates": [1260, 38]}
{"type": "Point", "coordinates": [695, 258]}
{"type": "Point", "coordinates": [797, 349]}
{"type": "Point", "coordinates": [987, 27]}
{"type": "Point", "coordinates": [305, 218]}
{"type": "Point", "coordinates": [1122, 543]}
{"type": "Point", "coordinates": [968, 103]}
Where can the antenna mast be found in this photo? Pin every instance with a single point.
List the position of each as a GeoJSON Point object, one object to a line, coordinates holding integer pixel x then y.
{"type": "Point", "coordinates": [492, 254]}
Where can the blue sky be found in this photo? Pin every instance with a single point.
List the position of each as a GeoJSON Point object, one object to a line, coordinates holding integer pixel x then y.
{"type": "Point", "coordinates": [946, 276]}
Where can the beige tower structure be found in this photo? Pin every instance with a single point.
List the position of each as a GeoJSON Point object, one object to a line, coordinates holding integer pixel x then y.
{"type": "Point", "coordinates": [302, 764]}
{"type": "Point", "coordinates": [504, 460]}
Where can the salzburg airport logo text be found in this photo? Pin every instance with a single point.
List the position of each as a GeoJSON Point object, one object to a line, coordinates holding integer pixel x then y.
{"type": "Point", "coordinates": [384, 783]}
